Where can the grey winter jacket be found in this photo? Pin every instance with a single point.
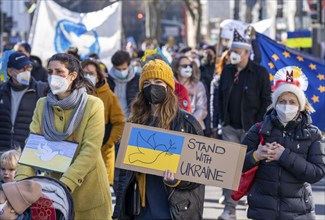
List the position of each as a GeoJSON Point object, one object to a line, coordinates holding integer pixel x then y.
{"type": "Point", "coordinates": [282, 189]}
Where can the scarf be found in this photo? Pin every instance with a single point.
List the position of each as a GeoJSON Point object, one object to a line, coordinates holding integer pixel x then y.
{"type": "Point", "coordinates": [77, 100]}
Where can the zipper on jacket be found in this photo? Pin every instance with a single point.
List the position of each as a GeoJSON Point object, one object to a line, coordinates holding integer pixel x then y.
{"type": "Point", "coordinates": [284, 134]}
{"type": "Point", "coordinates": [279, 200]}
{"type": "Point", "coordinates": [12, 132]}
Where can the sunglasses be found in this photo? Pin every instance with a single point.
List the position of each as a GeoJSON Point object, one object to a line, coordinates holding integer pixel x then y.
{"type": "Point", "coordinates": [186, 65]}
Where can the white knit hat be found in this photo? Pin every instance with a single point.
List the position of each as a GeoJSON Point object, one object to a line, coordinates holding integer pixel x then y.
{"type": "Point", "coordinates": [290, 79]}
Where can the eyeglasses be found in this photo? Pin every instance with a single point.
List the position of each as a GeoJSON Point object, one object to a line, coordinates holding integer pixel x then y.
{"type": "Point", "coordinates": [2, 206]}
{"type": "Point", "coordinates": [186, 65]}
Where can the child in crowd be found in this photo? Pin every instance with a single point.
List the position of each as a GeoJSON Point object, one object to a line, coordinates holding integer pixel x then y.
{"type": "Point", "coordinates": [8, 166]}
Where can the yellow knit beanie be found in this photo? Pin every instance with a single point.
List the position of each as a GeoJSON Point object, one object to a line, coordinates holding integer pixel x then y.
{"type": "Point", "coordinates": [157, 69]}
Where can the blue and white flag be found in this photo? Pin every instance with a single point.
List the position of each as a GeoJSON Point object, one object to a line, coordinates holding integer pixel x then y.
{"type": "Point", "coordinates": [275, 56]}
{"type": "Point", "coordinates": [56, 28]}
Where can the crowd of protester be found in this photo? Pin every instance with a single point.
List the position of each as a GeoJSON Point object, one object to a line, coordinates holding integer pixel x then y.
{"type": "Point", "coordinates": [199, 91]}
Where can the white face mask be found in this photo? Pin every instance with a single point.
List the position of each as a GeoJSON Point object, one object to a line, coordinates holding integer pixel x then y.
{"type": "Point", "coordinates": [186, 72]}
{"type": "Point", "coordinates": [91, 78]}
{"type": "Point", "coordinates": [235, 58]}
{"type": "Point", "coordinates": [23, 78]}
{"type": "Point", "coordinates": [286, 113]}
{"type": "Point", "coordinates": [58, 84]}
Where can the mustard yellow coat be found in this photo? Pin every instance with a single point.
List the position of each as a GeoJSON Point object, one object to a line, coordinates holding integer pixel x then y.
{"type": "Point", "coordinates": [114, 115]}
{"type": "Point", "coordinates": [86, 177]}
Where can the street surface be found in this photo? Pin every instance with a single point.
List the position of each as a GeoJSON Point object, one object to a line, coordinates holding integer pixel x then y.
{"type": "Point", "coordinates": [212, 208]}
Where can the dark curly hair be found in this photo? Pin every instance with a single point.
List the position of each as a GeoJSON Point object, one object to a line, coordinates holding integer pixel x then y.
{"type": "Point", "coordinates": [73, 64]}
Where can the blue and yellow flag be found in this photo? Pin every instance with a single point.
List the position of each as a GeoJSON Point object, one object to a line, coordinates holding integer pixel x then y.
{"type": "Point", "coordinates": [154, 150]}
{"type": "Point", "coordinates": [275, 56]}
{"type": "Point", "coordinates": [301, 38]}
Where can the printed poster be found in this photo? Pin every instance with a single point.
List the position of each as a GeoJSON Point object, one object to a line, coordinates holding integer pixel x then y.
{"type": "Point", "coordinates": [48, 155]}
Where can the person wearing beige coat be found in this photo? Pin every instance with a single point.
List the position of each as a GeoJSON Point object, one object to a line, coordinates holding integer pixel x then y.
{"type": "Point", "coordinates": [86, 178]}
{"type": "Point", "coordinates": [113, 113]}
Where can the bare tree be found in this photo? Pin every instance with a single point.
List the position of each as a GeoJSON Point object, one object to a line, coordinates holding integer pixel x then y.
{"type": "Point", "coordinates": [155, 10]}
{"type": "Point", "coordinates": [194, 9]}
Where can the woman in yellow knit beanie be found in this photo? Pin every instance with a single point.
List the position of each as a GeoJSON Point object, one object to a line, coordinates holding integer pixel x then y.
{"type": "Point", "coordinates": [160, 197]}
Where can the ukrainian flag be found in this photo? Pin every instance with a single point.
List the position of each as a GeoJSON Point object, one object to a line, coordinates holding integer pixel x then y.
{"type": "Point", "coordinates": [299, 39]}
{"type": "Point", "coordinates": [154, 150]}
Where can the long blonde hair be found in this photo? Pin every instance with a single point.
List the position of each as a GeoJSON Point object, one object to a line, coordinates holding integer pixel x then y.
{"type": "Point", "coordinates": [141, 110]}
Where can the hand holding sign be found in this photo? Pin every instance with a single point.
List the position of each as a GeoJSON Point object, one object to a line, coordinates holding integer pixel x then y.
{"type": "Point", "coordinates": [168, 176]}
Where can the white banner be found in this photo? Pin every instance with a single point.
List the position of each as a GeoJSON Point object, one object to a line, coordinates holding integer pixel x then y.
{"type": "Point", "coordinates": [228, 26]}
{"type": "Point", "coordinates": [55, 29]}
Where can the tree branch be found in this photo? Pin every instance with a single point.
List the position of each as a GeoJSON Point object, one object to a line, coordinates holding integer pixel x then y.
{"type": "Point", "coordinates": [164, 9]}
{"type": "Point", "coordinates": [189, 8]}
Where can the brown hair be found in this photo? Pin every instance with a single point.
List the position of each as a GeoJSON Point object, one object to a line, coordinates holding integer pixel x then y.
{"type": "Point", "coordinates": [73, 64]}
{"type": "Point", "coordinates": [163, 115]}
{"type": "Point", "coordinates": [195, 69]}
{"type": "Point", "coordinates": [100, 75]}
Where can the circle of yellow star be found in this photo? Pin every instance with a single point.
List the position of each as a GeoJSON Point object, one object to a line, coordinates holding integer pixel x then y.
{"type": "Point", "coordinates": [315, 98]}
{"type": "Point", "coordinates": [300, 58]}
{"type": "Point", "coordinates": [271, 77]}
{"type": "Point", "coordinates": [321, 89]}
{"type": "Point", "coordinates": [321, 76]}
{"type": "Point", "coordinates": [312, 66]}
{"type": "Point", "coordinates": [275, 57]}
{"type": "Point", "coordinates": [286, 54]}
{"type": "Point", "coordinates": [271, 65]}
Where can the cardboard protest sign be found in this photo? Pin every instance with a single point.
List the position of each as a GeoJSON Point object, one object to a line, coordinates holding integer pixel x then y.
{"type": "Point", "coordinates": [191, 157]}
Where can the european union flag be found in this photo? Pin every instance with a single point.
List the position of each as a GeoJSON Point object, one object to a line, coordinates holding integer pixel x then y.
{"type": "Point", "coordinates": [275, 56]}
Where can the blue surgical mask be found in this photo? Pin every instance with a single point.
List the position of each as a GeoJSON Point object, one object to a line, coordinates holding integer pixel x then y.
{"type": "Point", "coordinates": [137, 70]}
{"type": "Point", "coordinates": [120, 74]}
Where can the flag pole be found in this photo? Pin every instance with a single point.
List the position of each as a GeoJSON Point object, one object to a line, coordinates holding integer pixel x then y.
{"type": "Point", "coordinates": [34, 23]}
{"type": "Point", "coordinates": [1, 29]}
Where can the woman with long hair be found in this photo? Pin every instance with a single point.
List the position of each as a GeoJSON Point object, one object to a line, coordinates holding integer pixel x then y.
{"type": "Point", "coordinates": [187, 73]}
{"type": "Point", "coordinates": [160, 197]}
{"type": "Point", "coordinates": [114, 117]}
{"type": "Point", "coordinates": [68, 113]}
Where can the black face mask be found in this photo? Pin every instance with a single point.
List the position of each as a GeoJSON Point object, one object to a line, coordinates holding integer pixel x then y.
{"type": "Point", "coordinates": [154, 94]}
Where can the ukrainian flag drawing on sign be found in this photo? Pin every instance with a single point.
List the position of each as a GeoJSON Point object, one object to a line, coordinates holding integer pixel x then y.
{"type": "Point", "coordinates": [154, 150]}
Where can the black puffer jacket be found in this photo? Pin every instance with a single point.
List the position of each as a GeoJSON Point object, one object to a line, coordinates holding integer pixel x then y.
{"type": "Point", "coordinates": [186, 199]}
{"type": "Point", "coordinates": [281, 189]}
{"type": "Point", "coordinates": [16, 134]}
